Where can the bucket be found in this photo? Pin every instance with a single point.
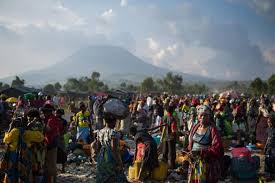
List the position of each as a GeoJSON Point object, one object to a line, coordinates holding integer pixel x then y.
{"type": "Point", "coordinates": [160, 173]}
{"type": "Point", "coordinates": [137, 165]}
{"type": "Point", "coordinates": [131, 173]}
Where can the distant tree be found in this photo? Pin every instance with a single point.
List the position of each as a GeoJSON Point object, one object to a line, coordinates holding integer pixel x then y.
{"type": "Point", "coordinates": [123, 85]}
{"type": "Point", "coordinates": [83, 84]}
{"type": "Point", "coordinates": [95, 84]}
{"type": "Point", "coordinates": [271, 84]}
{"type": "Point", "coordinates": [3, 86]}
{"type": "Point", "coordinates": [196, 88]}
{"type": "Point", "coordinates": [147, 85]}
{"type": "Point", "coordinates": [104, 88]}
{"type": "Point", "coordinates": [172, 83]}
{"type": "Point", "coordinates": [17, 82]}
{"type": "Point", "coordinates": [72, 84]}
{"type": "Point", "coordinates": [237, 86]}
{"type": "Point", "coordinates": [57, 86]}
{"type": "Point", "coordinates": [132, 87]}
{"type": "Point", "coordinates": [159, 85]}
{"type": "Point", "coordinates": [95, 75]}
{"type": "Point", "coordinates": [258, 86]}
{"type": "Point", "coordinates": [49, 88]}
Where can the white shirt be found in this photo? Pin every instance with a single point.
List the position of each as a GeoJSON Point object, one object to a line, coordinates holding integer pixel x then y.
{"type": "Point", "coordinates": [149, 101]}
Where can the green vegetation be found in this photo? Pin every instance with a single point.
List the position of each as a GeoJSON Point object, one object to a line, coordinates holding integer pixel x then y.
{"type": "Point", "coordinates": [171, 83]}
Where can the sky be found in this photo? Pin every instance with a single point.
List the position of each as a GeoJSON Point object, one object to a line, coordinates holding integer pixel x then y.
{"type": "Point", "coordinates": [222, 39]}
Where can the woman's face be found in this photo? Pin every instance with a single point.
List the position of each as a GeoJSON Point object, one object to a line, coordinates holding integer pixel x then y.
{"type": "Point", "coordinates": [203, 118]}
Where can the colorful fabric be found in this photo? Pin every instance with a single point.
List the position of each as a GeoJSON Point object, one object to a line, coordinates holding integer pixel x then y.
{"type": "Point", "coordinates": [106, 170]}
{"type": "Point", "coordinates": [83, 119]}
{"type": "Point", "coordinates": [228, 128]}
{"type": "Point", "coordinates": [53, 123]}
{"type": "Point", "coordinates": [83, 134]}
{"type": "Point", "coordinates": [214, 153]}
{"type": "Point", "coordinates": [199, 172]}
{"type": "Point", "coordinates": [29, 136]}
{"type": "Point", "coordinates": [201, 141]}
{"type": "Point", "coordinates": [19, 164]}
{"type": "Point", "coordinates": [49, 179]}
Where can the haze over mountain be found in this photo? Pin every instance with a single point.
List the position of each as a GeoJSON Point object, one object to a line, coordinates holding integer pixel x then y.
{"type": "Point", "coordinates": [114, 64]}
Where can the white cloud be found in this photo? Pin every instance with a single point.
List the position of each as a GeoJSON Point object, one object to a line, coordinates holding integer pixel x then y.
{"type": "Point", "coordinates": [269, 55]}
{"type": "Point", "coordinates": [49, 14]}
{"type": "Point", "coordinates": [108, 14]}
{"type": "Point", "coordinates": [123, 3]}
{"type": "Point", "coordinates": [172, 49]}
{"type": "Point", "coordinates": [152, 44]}
{"type": "Point", "coordinates": [160, 55]}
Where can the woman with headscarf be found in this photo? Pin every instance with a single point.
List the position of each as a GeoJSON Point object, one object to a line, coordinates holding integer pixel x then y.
{"type": "Point", "coordinates": [38, 149]}
{"type": "Point", "coordinates": [19, 151]}
{"type": "Point", "coordinates": [206, 146]}
{"type": "Point", "coordinates": [109, 164]}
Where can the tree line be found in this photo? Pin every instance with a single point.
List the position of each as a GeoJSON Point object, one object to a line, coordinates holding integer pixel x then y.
{"type": "Point", "coordinates": [170, 83]}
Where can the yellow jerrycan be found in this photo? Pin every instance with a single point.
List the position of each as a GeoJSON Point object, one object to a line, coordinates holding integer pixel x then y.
{"type": "Point", "coordinates": [160, 173]}
{"type": "Point", "coordinates": [133, 171]}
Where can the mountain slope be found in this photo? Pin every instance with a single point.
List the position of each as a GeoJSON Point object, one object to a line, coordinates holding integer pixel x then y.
{"type": "Point", "coordinates": [114, 64]}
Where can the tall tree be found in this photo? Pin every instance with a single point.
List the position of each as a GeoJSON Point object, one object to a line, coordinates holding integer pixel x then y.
{"type": "Point", "coordinates": [271, 84]}
{"type": "Point", "coordinates": [148, 85]}
{"type": "Point", "coordinates": [123, 85]}
{"type": "Point", "coordinates": [57, 86]}
{"type": "Point", "coordinates": [95, 84]}
{"type": "Point", "coordinates": [258, 86]}
{"type": "Point", "coordinates": [17, 82]}
{"type": "Point", "coordinates": [95, 75]}
{"type": "Point", "coordinates": [49, 88]}
{"type": "Point", "coordinates": [172, 83]}
{"type": "Point", "coordinates": [72, 84]}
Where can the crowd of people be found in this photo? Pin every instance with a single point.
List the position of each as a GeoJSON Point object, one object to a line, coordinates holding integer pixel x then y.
{"type": "Point", "coordinates": [195, 125]}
